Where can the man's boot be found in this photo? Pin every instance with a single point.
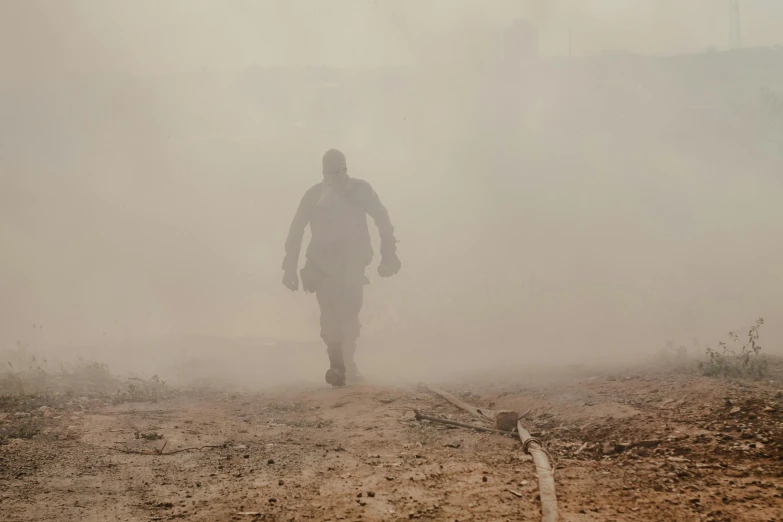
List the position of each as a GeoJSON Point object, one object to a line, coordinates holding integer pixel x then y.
{"type": "Point", "coordinates": [336, 373]}
{"type": "Point", "coordinates": [352, 374]}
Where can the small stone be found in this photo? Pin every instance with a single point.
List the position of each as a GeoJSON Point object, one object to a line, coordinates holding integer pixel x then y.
{"type": "Point", "coordinates": [483, 479]}
{"type": "Point", "coordinates": [270, 461]}
{"type": "Point", "coordinates": [371, 494]}
{"type": "Point", "coordinates": [280, 483]}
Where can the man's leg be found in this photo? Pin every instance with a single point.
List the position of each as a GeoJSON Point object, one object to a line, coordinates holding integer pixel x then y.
{"type": "Point", "coordinates": [352, 299]}
{"type": "Point", "coordinates": [328, 296]}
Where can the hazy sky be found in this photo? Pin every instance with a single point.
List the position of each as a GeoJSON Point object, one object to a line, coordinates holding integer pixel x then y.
{"type": "Point", "coordinates": [135, 207]}
{"type": "Point", "coordinates": [151, 36]}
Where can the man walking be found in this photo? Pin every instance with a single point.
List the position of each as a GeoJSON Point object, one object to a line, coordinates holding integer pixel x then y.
{"type": "Point", "coordinates": [339, 251]}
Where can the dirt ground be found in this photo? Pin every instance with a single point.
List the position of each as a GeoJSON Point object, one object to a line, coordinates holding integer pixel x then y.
{"type": "Point", "coordinates": [636, 444]}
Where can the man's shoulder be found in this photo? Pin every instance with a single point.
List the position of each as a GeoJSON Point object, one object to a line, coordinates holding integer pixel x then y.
{"type": "Point", "coordinates": [314, 191]}
{"type": "Point", "coordinates": [356, 182]}
{"type": "Point", "coordinates": [360, 187]}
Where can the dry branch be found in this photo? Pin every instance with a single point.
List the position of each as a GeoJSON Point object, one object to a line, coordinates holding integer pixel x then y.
{"type": "Point", "coordinates": [484, 415]}
{"type": "Point", "coordinates": [160, 451]}
{"type": "Point", "coordinates": [439, 420]}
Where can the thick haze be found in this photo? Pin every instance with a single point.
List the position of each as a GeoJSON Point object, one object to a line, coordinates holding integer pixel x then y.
{"type": "Point", "coordinates": [152, 155]}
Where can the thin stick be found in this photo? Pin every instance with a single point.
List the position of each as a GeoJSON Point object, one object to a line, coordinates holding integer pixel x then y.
{"type": "Point", "coordinates": [546, 479]}
{"type": "Point", "coordinates": [160, 452]}
{"type": "Point", "coordinates": [484, 415]}
{"type": "Point", "coordinates": [421, 416]}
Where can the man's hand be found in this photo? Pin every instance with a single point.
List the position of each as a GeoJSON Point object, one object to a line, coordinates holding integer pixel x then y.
{"type": "Point", "coordinates": [291, 280]}
{"type": "Point", "coordinates": [389, 266]}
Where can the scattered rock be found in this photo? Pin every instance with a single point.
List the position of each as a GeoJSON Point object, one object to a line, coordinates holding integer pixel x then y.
{"type": "Point", "coordinates": [506, 420]}
{"type": "Point", "coordinates": [678, 459]}
{"type": "Point", "coordinates": [371, 494]}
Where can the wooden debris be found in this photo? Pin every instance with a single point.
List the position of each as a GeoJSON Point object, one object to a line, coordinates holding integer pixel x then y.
{"type": "Point", "coordinates": [439, 420]}
{"type": "Point", "coordinates": [484, 415]}
{"type": "Point", "coordinates": [160, 451]}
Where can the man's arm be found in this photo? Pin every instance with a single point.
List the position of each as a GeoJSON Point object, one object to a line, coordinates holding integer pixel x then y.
{"type": "Point", "coordinates": [376, 210]}
{"type": "Point", "coordinates": [390, 263]}
{"type": "Point", "coordinates": [293, 244]}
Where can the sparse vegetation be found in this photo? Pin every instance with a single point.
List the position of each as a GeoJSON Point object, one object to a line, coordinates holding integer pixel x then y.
{"type": "Point", "coordinates": [672, 355]}
{"type": "Point", "coordinates": [31, 382]}
{"type": "Point", "coordinates": [737, 357]}
{"type": "Point", "coordinates": [24, 428]}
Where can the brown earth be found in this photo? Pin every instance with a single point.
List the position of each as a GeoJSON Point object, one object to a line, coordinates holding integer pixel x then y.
{"type": "Point", "coordinates": [628, 445]}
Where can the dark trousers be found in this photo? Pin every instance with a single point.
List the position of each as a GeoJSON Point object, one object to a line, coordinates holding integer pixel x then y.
{"type": "Point", "coordinates": [340, 302]}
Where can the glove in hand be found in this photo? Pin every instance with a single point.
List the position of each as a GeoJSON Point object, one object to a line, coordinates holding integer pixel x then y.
{"type": "Point", "coordinates": [389, 266]}
{"type": "Point", "coordinates": [291, 280]}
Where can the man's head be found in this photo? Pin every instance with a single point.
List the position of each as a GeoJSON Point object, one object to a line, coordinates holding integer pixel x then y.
{"type": "Point", "coordinates": [335, 168]}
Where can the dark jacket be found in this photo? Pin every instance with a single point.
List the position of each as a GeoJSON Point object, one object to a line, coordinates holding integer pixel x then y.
{"type": "Point", "coordinates": [338, 222]}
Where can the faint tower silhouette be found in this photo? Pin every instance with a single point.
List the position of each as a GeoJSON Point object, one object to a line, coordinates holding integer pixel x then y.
{"type": "Point", "coordinates": [734, 25]}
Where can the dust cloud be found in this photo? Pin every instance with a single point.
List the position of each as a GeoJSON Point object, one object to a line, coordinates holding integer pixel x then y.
{"type": "Point", "coordinates": [612, 186]}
